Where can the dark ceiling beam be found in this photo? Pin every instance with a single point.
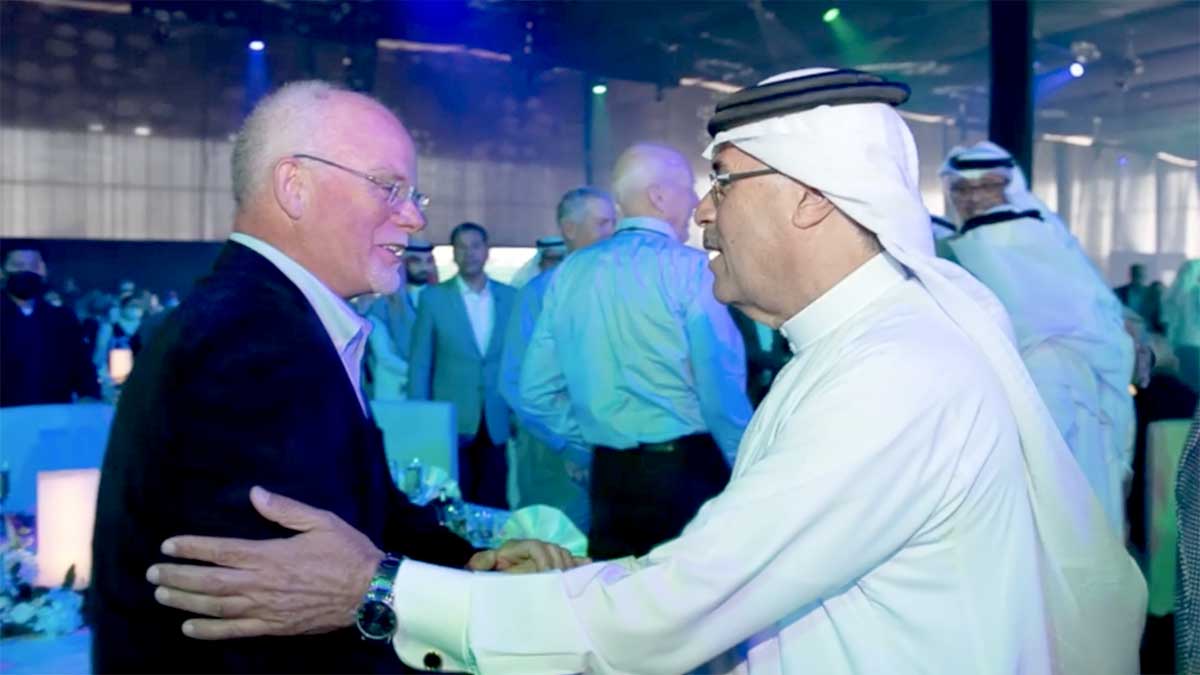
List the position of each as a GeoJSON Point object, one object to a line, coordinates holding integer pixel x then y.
{"type": "Point", "coordinates": [966, 55]}
{"type": "Point", "coordinates": [1010, 122]}
{"type": "Point", "coordinates": [1101, 79]}
{"type": "Point", "coordinates": [1144, 100]}
{"type": "Point", "coordinates": [1061, 17]}
{"type": "Point", "coordinates": [1151, 141]}
{"type": "Point", "coordinates": [969, 25]}
{"type": "Point", "coordinates": [1178, 117]}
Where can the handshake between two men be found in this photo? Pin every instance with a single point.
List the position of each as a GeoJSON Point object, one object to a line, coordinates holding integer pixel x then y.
{"type": "Point", "coordinates": [312, 582]}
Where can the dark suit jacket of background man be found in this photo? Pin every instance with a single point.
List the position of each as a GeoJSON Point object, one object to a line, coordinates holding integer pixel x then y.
{"type": "Point", "coordinates": [43, 358]}
{"type": "Point", "coordinates": [242, 386]}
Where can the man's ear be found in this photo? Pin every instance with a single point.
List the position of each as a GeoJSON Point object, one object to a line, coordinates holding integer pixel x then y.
{"type": "Point", "coordinates": [291, 187]}
{"type": "Point", "coordinates": [569, 230]}
{"type": "Point", "coordinates": [812, 209]}
{"type": "Point", "coordinates": [658, 197]}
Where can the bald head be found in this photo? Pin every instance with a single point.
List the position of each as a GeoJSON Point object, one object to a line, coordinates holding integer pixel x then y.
{"type": "Point", "coordinates": [656, 181]}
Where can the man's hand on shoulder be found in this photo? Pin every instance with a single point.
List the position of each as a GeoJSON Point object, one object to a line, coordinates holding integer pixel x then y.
{"type": "Point", "coordinates": [312, 582]}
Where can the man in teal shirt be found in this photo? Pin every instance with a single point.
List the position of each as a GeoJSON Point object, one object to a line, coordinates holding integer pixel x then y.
{"type": "Point", "coordinates": [547, 471]}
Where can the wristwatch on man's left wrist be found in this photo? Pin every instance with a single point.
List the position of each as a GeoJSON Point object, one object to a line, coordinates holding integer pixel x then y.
{"type": "Point", "coordinates": [376, 616]}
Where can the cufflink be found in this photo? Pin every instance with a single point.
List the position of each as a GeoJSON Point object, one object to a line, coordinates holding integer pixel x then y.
{"type": "Point", "coordinates": [432, 661]}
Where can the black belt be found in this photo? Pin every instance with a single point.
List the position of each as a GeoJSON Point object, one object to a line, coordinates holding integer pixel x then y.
{"type": "Point", "coordinates": [672, 445]}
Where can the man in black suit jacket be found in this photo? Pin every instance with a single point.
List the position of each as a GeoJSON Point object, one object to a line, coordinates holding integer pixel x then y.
{"type": "Point", "coordinates": [254, 380]}
{"type": "Point", "coordinates": [43, 358]}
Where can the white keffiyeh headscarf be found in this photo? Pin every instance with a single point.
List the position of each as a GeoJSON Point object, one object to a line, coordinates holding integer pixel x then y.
{"type": "Point", "coordinates": [863, 158]}
{"type": "Point", "coordinates": [533, 266]}
{"type": "Point", "coordinates": [1052, 290]}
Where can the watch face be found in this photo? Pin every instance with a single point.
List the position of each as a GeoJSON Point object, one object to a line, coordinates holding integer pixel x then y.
{"type": "Point", "coordinates": [377, 620]}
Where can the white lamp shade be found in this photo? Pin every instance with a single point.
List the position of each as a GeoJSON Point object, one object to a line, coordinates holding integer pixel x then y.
{"type": "Point", "coordinates": [120, 364]}
{"type": "Point", "coordinates": [66, 512]}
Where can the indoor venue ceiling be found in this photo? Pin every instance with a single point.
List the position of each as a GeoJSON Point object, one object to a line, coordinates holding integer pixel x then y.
{"type": "Point", "coordinates": [181, 64]}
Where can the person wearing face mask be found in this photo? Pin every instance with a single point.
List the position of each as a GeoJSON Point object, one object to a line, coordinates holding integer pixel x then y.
{"type": "Point", "coordinates": [43, 358]}
{"type": "Point", "coordinates": [126, 324]}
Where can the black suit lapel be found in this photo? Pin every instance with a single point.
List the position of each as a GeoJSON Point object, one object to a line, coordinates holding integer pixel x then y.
{"type": "Point", "coordinates": [238, 260]}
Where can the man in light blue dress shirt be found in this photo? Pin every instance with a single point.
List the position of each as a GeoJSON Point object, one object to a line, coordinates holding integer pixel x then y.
{"type": "Point", "coordinates": [585, 216]}
{"type": "Point", "coordinates": [633, 356]}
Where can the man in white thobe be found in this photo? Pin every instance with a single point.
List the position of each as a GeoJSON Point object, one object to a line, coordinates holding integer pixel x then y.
{"type": "Point", "coordinates": [550, 251]}
{"type": "Point", "coordinates": [1069, 325]}
{"type": "Point", "coordinates": [901, 501]}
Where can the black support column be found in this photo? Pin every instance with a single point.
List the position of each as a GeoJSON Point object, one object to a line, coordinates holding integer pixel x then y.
{"type": "Point", "coordinates": [1010, 122]}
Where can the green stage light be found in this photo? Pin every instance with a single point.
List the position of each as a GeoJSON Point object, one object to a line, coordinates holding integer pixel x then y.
{"type": "Point", "coordinates": [831, 15]}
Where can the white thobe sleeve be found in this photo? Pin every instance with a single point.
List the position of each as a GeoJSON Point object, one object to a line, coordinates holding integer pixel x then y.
{"type": "Point", "coordinates": [832, 499]}
{"type": "Point", "coordinates": [390, 370]}
{"type": "Point", "coordinates": [543, 386]}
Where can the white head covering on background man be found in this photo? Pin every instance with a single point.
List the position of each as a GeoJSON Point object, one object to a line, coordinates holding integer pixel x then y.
{"type": "Point", "coordinates": [984, 158]}
{"type": "Point", "coordinates": [863, 158]}
{"type": "Point", "coordinates": [1069, 324]}
{"type": "Point", "coordinates": [981, 159]}
{"type": "Point", "coordinates": [551, 248]}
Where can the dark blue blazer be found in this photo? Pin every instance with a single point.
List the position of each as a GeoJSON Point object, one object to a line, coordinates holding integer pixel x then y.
{"type": "Point", "coordinates": [241, 386]}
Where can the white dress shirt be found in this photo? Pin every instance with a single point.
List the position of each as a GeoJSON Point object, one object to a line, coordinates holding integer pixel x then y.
{"type": "Point", "coordinates": [631, 346]}
{"type": "Point", "coordinates": [877, 521]}
{"type": "Point", "coordinates": [346, 328]}
{"type": "Point", "coordinates": [481, 311]}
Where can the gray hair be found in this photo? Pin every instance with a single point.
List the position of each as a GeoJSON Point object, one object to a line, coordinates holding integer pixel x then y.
{"type": "Point", "coordinates": [570, 207]}
{"type": "Point", "coordinates": [283, 122]}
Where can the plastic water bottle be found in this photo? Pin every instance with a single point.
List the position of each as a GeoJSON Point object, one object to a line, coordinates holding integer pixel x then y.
{"type": "Point", "coordinates": [413, 476]}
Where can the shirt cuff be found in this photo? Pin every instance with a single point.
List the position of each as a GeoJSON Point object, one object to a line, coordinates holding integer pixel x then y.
{"type": "Point", "coordinates": [432, 607]}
